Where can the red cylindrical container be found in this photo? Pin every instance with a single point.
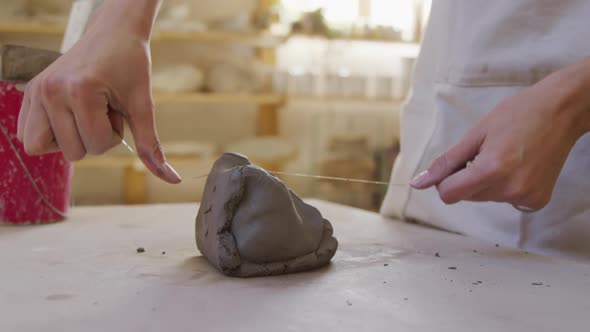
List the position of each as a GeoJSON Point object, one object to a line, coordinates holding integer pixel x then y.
{"type": "Point", "coordinates": [37, 192]}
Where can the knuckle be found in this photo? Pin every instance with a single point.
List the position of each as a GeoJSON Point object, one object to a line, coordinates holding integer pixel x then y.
{"type": "Point", "coordinates": [518, 190]}
{"type": "Point", "coordinates": [30, 87]}
{"type": "Point", "coordinates": [75, 155]}
{"type": "Point", "coordinates": [440, 164]}
{"type": "Point", "coordinates": [98, 149]}
{"type": "Point", "coordinates": [540, 201]}
{"type": "Point", "coordinates": [446, 196]}
{"type": "Point", "coordinates": [35, 145]}
{"type": "Point", "coordinates": [79, 86]}
{"type": "Point", "coordinates": [497, 167]}
{"type": "Point", "coordinates": [32, 148]}
{"type": "Point", "coordinates": [488, 169]}
{"type": "Point", "coordinates": [50, 87]}
{"type": "Point", "coordinates": [502, 165]}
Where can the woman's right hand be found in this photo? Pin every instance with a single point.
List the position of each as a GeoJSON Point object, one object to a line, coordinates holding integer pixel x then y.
{"type": "Point", "coordinates": [78, 104]}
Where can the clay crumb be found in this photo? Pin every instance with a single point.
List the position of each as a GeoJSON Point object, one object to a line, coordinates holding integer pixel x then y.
{"type": "Point", "coordinates": [385, 264]}
{"type": "Point", "coordinates": [405, 298]}
{"type": "Point", "coordinates": [497, 245]}
{"type": "Point", "coordinates": [452, 267]}
{"type": "Point", "coordinates": [475, 251]}
{"type": "Point", "coordinates": [385, 282]}
{"type": "Point", "coordinates": [479, 282]}
{"type": "Point", "coordinates": [537, 283]}
{"type": "Point", "coordinates": [349, 303]}
{"type": "Point", "coordinates": [437, 254]}
{"type": "Point", "coordinates": [163, 253]}
{"type": "Point", "coordinates": [140, 250]}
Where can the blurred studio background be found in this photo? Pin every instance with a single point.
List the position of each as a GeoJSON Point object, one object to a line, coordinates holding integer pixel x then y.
{"type": "Point", "coordinates": [299, 86]}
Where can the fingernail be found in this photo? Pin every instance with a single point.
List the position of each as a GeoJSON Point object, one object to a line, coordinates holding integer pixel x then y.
{"type": "Point", "coordinates": [171, 174]}
{"type": "Point", "coordinates": [420, 180]}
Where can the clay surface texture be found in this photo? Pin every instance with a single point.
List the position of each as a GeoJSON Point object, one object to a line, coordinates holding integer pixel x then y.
{"type": "Point", "coordinates": [250, 224]}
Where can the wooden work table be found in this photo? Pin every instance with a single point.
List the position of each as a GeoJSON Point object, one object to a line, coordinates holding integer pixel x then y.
{"type": "Point", "coordinates": [85, 275]}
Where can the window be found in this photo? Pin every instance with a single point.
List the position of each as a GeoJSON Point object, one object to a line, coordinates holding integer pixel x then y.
{"type": "Point", "coordinates": [402, 15]}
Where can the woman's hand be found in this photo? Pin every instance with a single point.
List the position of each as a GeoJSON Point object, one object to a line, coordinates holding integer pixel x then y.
{"type": "Point", "coordinates": [78, 104]}
{"type": "Point", "coordinates": [516, 152]}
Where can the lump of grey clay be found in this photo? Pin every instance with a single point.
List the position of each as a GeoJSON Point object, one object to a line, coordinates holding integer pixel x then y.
{"type": "Point", "coordinates": [250, 224]}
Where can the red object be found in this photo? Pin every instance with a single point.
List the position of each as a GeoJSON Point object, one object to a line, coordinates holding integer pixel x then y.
{"type": "Point", "coordinates": [20, 201]}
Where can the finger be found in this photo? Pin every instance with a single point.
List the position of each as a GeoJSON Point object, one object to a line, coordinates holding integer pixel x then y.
{"type": "Point", "coordinates": [142, 124]}
{"type": "Point", "coordinates": [22, 116]}
{"type": "Point", "coordinates": [37, 134]}
{"type": "Point", "coordinates": [93, 123]}
{"type": "Point", "coordinates": [465, 183]}
{"type": "Point", "coordinates": [117, 123]}
{"type": "Point", "coordinates": [488, 194]}
{"type": "Point", "coordinates": [451, 161]}
{"type": "Point", "coordinates": [66, 133]}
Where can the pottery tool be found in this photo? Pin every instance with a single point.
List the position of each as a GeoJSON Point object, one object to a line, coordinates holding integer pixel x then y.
{"type": "Point", "coordinates": [332, 178]}
{"type": "Point", "coordinates": [22, 64]}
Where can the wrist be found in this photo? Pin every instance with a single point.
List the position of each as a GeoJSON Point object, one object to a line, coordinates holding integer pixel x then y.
{"type": "Point", "coordinates": [135, 17]}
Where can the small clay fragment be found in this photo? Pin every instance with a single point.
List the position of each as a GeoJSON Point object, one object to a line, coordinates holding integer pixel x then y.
{"type": "Point", "coordinates": [250, 224]}
{"type": "Point", "coordinates": [140, 250]}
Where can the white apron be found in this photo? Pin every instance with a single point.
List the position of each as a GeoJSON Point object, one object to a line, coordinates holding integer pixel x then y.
{"type": "Point", "coordinates": [475, 54]}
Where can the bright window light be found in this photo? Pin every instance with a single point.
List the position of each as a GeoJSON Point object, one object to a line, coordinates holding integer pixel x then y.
{"type": "Point", "coordinates": [395, 13]}
{"type": "Point", "coordinates": [340, 11]}
{"type": "Point", "coordinates": [335, 11]}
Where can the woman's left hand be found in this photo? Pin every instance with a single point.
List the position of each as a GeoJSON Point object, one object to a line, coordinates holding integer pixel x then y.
{"type": "Point", "coordinates": [516, 152]}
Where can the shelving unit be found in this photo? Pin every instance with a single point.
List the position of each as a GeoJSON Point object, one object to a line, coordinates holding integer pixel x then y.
{"type": "Point", "coordinates": [267, 103]}
{"type": "Point", "coordinates": [32, 28]}
{"type": "Point", "coordinates": [219, 98]}
{"type": "Point", "coordinates": [264, 42]}
{"type": "Point", "coordinates": [134, 189]}
{"type": "Point", "coordinates": [259, 39]}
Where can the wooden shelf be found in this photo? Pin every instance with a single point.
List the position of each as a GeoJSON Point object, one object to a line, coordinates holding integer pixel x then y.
{"type": "Point", "coordinates": [32, 28]}
{"type": "Point", "coordinates": [57, 30]}
{"type": "Point", "coordinates": [130, 160]}
{"type": "Point", "coordinates": [107, 161]}
{"type": "Point", "coordinates": [357, 39]}
{"type": "Point", "coordinates": [402, 49]}
{"type": "Point", "coordinates": [252, 38]}
{"type": "Point", "coordinates": [219, 98]}
{"type": "Point", "coordinates": [336, 99]}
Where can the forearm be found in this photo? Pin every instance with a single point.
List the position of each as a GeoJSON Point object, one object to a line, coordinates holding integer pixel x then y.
{"type": "Point", "coordinates": [132, 16]}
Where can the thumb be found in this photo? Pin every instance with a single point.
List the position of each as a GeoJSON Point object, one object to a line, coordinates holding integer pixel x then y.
{"type": "Point", "coordinates": [450, 162]}
{"type": "Point", "coordinates": [142, 125]}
